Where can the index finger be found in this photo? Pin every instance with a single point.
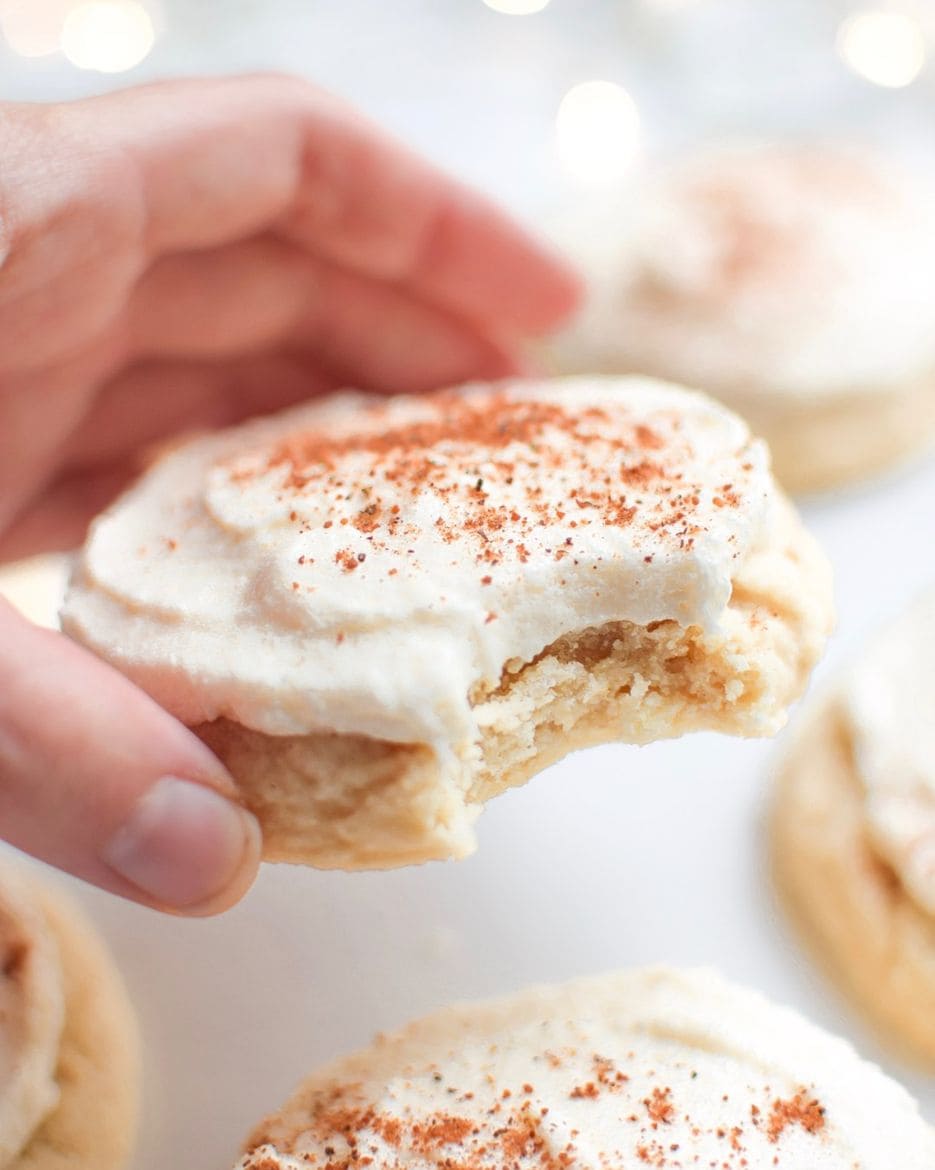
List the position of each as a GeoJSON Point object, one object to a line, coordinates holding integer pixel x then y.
{"type": "Point", "coordinates": [221, 159]}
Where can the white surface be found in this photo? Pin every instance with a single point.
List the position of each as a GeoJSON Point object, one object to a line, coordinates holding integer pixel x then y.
{"type": "Point", "coordinates": [616, 857]}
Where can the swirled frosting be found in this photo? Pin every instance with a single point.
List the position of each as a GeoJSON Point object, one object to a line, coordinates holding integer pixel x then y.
{"type": "Point", "coordinates": [652, 1068]}
{"type": "Point", "coordinates": [361, 564]}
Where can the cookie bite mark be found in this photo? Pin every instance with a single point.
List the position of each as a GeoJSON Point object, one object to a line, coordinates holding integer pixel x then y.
{"type": "Point", "coordinates": [383, 611]}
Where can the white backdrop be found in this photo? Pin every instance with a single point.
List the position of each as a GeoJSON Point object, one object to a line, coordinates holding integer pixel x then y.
{"type": "Point", "coordinates": [478, 90]}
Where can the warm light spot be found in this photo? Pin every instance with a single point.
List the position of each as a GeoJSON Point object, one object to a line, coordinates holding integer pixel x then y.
{"type": "Point", "coordinates": [517, 7]}
{"type": "Point", "coordinates": [36, 587]}
{"type": "Point", "coordinates": [33, 28]}
{"type": "Point", "coordinates": [597, 131]}
{"type": "Point", "coordinates": [887, 48]}
{"type": "Point", "coordinates": [109, 36]}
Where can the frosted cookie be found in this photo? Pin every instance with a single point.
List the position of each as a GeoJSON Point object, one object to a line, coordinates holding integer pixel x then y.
{"type": "Point", "coordinates": [797, 284]}
{"type": "Point", "coordinates": [382, 612]}
{"type": "Point", "coordinates": [647, 1068]}
{"type": "Point", "coordinates": [854, 830]}
{"type": "Point", "coordinates": [69, 1054]}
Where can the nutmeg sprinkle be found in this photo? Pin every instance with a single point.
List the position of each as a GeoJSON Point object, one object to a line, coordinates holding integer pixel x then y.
{"type": "Point", "coordinates": [500, 469]}
{"type": "Point", "coordinates": [429, 1118]}
{"type": "Point", "coordinates": [656, 1069]}
{"type": "Point", "coordinates": [801, 1110]}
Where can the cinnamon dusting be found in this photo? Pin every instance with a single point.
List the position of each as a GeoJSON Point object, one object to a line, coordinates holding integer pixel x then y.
{"type": "Point", "coordinates": [659, 1106]}
{"type": "Point", "coordinates": [603, 469]}
{"type": "Point", "coordinates": [799, 1110]}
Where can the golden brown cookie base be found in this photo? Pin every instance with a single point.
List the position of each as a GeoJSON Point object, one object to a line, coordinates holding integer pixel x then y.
{"type": "Point", "coordinates": [351, 802]}
{"type": "Point", "coordinates": [94, 1124]}
{"type": "Point", "coordinates": [860, 922]}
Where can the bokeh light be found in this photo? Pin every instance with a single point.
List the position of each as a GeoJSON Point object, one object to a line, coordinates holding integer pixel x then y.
{"type": "Point", "coordinates": [886, 48]}
{"type": "Point", "coordinates": [33, 28]}
{"type": "Point", "coordinates": [517, 7]}
{"type": "Point", "coordinates": [109, 36]}
{"type": "Point", "coordinates": [597, 131]}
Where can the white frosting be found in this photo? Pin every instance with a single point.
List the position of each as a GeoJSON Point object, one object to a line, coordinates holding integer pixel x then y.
{"type": "Point", "coordinates": [651, 1068]}
{"type": "Point", "coordinates": [889, 701]}
{"type": "Point", "coordinates": [360, 564]}
{"type": "Point", "coordinates": [770, 272]}
{"type": "Point", "coordinates": [32, 1014]}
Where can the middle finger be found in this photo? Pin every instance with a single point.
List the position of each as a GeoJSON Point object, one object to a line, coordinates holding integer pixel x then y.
{"type": "Point", "coordinates": [246, 297]}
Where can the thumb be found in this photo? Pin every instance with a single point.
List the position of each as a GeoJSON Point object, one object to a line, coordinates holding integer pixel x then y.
{"type": "Point", "coordinates": [98, 780]}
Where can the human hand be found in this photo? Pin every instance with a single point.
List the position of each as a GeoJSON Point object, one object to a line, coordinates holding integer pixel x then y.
{"type": "Point", "coordinates": [181, 256]}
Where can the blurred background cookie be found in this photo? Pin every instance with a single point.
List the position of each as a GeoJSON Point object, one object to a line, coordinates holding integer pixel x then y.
{"type": "Point", "coordinates": [70, 1075]}
{"type": "Point", "coordinates": [854, 830]}
{"type": "Point", "coordinates": [656, 1067]}
{"type": "Point", "coordinates": [794, 282]}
